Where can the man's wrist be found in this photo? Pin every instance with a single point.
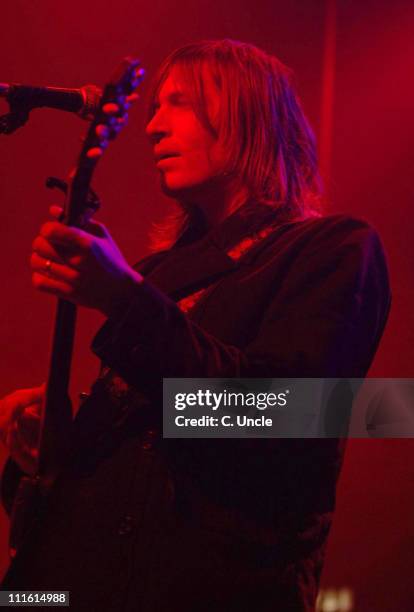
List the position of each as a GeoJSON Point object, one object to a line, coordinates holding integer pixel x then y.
{"type": "Point", "coordinates": [116, 305]}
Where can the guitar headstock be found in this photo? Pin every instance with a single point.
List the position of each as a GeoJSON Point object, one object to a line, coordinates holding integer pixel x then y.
{"type": "Point", "coordinates": [112, 115]}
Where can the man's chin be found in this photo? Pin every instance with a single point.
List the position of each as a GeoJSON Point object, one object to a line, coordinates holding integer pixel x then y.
{"type": "Point", "coordinates": [187, 192]}
{"type": "Point", "coordinates": [170, 191]}
{"type": "Point", "coordinates": [178, 192]}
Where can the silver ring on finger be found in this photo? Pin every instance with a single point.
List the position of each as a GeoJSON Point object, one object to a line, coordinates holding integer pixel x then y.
{"type": "Point", "coordinates": [48, 267]}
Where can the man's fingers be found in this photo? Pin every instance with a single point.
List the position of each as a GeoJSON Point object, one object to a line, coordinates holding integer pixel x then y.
{"type": "Point", "coordinates": [96, 229]}
{"type": "Point", "coordinates": [32, 412]}
{"type": "Point", "coordinates": [45, 249]}
{"type": "Point", "coordinates": [25, 397]}
{"type": "Point", "coordinates": [63, 254]}
{"type": "Point", "coordinates": [92, 227]}
{"type": "Point", "coordinates": [56, 211]}
{"type": "Point", "coordinates": [24, 453]}
{"type": "Point", "coordinates": [28, 429]}
{"type": "Point", "coordinates": [49, 284]}
{"type": "Point", "coordinates": [52, 269]}
{"type": "Point", "coordinates": [60, 234]}
{"type": "Point", "coordinates": [20, 425]}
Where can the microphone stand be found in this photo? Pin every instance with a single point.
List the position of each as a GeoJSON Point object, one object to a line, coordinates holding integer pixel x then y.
{"type": "Point", "coordinates": [17, 117]}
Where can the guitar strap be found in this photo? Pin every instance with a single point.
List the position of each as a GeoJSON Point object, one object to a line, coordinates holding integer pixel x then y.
{"type": "Point", "coordinates": [236, 252]}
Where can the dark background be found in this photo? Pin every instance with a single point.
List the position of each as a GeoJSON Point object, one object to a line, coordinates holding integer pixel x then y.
{"type": "Point", "coordinates": [353, 62]}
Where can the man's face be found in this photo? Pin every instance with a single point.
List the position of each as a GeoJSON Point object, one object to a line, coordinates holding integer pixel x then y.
{"type": "Point", "coordinates": [187, 155]}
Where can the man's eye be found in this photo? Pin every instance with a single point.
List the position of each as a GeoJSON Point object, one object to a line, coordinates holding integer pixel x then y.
{"type": "Point", "coordinates": [182, 103]}
{"type": "Point", "coordinates": [180, 100]}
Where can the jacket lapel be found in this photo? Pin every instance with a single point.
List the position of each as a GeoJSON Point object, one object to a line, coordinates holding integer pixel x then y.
{"type": "Point", "coordinates": [186, 269]}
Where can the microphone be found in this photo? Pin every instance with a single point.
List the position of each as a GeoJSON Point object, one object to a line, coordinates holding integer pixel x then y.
{"type": "Point", "coordinates": [23, 98]}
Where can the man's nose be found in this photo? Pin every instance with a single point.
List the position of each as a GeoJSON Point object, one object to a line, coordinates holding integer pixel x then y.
{"type": "Point", "coordinates": [157, 127]}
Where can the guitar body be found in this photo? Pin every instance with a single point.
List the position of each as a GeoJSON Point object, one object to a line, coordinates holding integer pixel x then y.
{"type": "Point", "coordinates": [80, 541]}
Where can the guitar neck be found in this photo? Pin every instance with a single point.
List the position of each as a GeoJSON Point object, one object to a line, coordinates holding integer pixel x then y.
{"type": "Point", "coordinates": [57, 412]}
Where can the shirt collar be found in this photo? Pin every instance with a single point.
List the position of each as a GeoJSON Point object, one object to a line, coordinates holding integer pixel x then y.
{"type": "Point", "coordinates": [247, 220]}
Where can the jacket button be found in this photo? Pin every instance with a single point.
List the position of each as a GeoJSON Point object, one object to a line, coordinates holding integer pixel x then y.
{"type": "Point", "coordinates": [126, 526]}
{"type": "Point", "coordinates": [149, 438]}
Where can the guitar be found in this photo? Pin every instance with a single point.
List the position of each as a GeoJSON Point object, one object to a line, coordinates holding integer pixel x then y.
{"type": "Point", "coordinates": [56, 418]}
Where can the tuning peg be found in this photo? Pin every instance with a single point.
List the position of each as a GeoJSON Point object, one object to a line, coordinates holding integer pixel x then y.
{"type": "Point", "coordinates": [132, 61]}
{"type": "Point", "coordinates": [137, 78]}
{"type": "Point", "coordinates": [115, 129]}
{"type": "Point", "coordinates": [110, 108]}
{"type": "Point", "coordinates": [111, 121]}
{"type": "Point", "coordinates": [117, 125]}
{"type": "Point", "coordinates": [94, 153]}
{"type": "Point", "coordinates": [102, 131]}
{"type": "Point", "coordinates": [131, 99]}
{"type": "Point", "coordinates": [124, 104]}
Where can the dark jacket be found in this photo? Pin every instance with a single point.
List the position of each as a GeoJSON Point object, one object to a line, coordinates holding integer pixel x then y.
{"type": "Point", "coordinates": [141, 523]}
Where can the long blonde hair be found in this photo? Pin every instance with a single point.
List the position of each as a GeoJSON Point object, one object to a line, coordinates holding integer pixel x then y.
{"type": "Point", "coordinates": [269, 142]}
